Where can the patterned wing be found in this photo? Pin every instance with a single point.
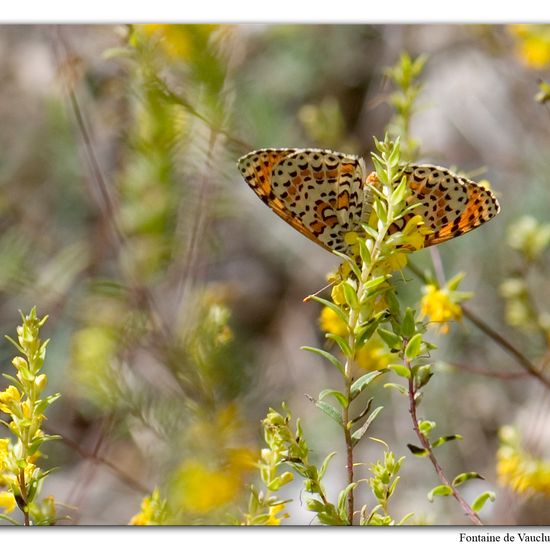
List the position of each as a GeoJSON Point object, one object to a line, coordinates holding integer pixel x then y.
{"type": "Point", "coordinates": [451, 205]}
{"type": "Point", "coordinates": [319, 192]}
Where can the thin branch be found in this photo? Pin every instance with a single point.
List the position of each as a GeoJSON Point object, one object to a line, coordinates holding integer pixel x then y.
{"type": "Point", "coordinates": [426, 445]}
{"type": "Point", "coordinates": [522, 360]}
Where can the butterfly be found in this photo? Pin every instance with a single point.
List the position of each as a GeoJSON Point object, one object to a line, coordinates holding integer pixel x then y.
{"type": "Point", "coordinates": [324, 194]}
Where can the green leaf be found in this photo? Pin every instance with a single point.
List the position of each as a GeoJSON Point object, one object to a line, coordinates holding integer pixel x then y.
{"type": "Point", "coordinates": [426, 426]}
{"type": "Point", "coordinates": [353, 266]}
{"type": "Point", "coordinates": [374, 282]}
{"type": "Point", "coordinates": [417, 451]}
{"type": "Point", "coordinates": [399, 193]}
{"type": "Point", "coordinates": [358, 434]}
{"type": "Point", "coordinates": [392, 340]}
{"type": "Point", "coordinates": [461, 478]}
{"type": "Point", "coordinates": [342, 511]}
{"type": "Point", "coordinates": [364, 412]}
{"type": "Point", "coordinates": [339, 396]}
{"type": "Point", "coordinates": [480, 501]}
{"type": "Point", "coordinates": [405, 518]}
{"type": "Point", "coordinates": [452, 284]}
{"type": "Point", "coordinates": [324, 465]}
{"type": "Point", "coordinates": [342, 344]}
{"type": "Point", "coordinates": [401, 389]}
{"type": "Point", "coordinates": [350, 294]}
{"type": "Point", "coordinates": [422, 375]}
{"type": "Point", "coordinates": [440, 440]}
{"type": "Point", "coordinates": [401, 370]}
{"type": "Point", "coordinates": [408, 326]}
{"type": "Point", "coordinates": [413, 347]}
{"type": "Point", "coordinates": [362, 382]}
{"type": "Point", "coordinates": [329, 410]}
{"type": "Point", "coordinates": [328, 356]}
{"type": "Point", "coordinates": [332, 306]}
{"type": "Point", "coordinates": [440, 491]}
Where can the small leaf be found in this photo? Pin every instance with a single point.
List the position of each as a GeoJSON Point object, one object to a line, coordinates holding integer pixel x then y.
{"type": "Point", "coordinates": [358, 434]}
{"type": "Point", "coordinates": [339, 396]}
{"type": "Point", "coordinates": [401, 370]}
{"type": "Point", "coordinates": [364, 412]}
{"type": "Point", "coordinates": [413, 347]}
{"type": "Point", "coordinates": [342, 344]}
{"type": "Point", "coordinates": [332, 306]}
{"type": "Point", "coordinates": [392, 340]}
{"type": "Point", "coordinates": [324, 465]}
{"type": "Point", "coordinates": [374, 282]}
{"type": "Point", "coordinates": [440, 491]}
{"type": "Point", "coordinates": [401, 389]}
{"type": "Point", "coordinates": [342, 511]}
{"type": "Point", "coordinates": [408, 326]}
{"type": "Point", "coordinates": [350, 294]}
{"type": "Point", "coordinates": [440, 440]}
{"type": "Point", "coordinates": [480, 501]}
{"type": "Point", "coordinates": [362, 382]}
{"type": "Point", "coordinates": [329, 410]}
{"type": "Point", "coordinates": [426, 426]}
{"type": "Point", "coordinates": [461, 478]}
{"type": "Point", "coordinates": [328, 356]}
{"type": "Point", "coordinates": [422, 376]}
{"type": "Point", "coordinates": [417, 451]}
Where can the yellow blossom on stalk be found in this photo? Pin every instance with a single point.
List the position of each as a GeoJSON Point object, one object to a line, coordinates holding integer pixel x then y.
{"type": "Point", "coordinates": [153, 510]}
{"type": "Point", "coordinates": [532, 44]}
{"type": "Point", "coordinates": [7, 397]}
{"type": "Point", "coordinates": [518, 469]}
{"type": "Point", "coordinates": [7, 501]}
{"type": "Point", "coordinates": [273, 511]}
{"type": "Point", "coordinates": [438, 307]}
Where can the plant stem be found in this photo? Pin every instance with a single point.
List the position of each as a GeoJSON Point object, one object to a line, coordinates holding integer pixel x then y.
{"type": "Point", "coordinates": [426, 445]}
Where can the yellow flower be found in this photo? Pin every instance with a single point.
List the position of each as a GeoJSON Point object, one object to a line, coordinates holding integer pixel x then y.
{"type": "Point", "coordinates": [533, 44]}
{"type": "Point", "coordinates": [438, 306]}
{"type": "Point", "coordinates": [153, 510]}
{"type": "Point", "coordinates": [7, 501]}
{"type": "Point", "coordinates": [9, 395]}
{"type": "Point", "coordinates": [330, 322]}
{"type": "Point", "coordinates": [518, 469]}
{"type": "Point", "coordinates": [273, 511]}
{"type": "Point", "coordinates": [200, 489]}
{"type": "Point", "coordinates": [374, 355]}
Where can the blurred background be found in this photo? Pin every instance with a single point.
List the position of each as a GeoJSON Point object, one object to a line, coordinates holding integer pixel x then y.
{"type": "Point", "coordinates": [175, 295]}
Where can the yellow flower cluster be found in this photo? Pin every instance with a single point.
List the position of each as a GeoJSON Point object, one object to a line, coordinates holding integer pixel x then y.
{"type": "Point", "coordinates": [438, 306]}
{"type": "Point", "coordinates": [518, 469]}
{"type": "Point", "coordinates": [373, 355]}
{"type": "Point", "coordinates": [153, 510]}
{"type": "Point", "coordinates": [532, 44]}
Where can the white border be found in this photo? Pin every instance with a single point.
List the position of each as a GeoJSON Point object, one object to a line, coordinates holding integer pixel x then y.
{"type": "Point", "coordinates": [277, 11]}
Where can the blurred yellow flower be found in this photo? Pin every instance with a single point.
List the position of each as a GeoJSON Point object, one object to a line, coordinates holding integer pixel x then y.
{"type": "Point", "coordinates": [374, 355]}
{"type": "Point", "coordinates": [7, 397]}
{"type": "Point", "coordinates": [532, 44]}
{"type": "Point", "coordinates": [179, 41]}
{"type": "Point", "coordinates": [200, 489]}
{"type": "Point", "coordinates": [518, 469]}
{"type": "Point", "coordinates": [330, 322]}
{"type": "Point", "coordinates": [153, 510]}
{"type": "Point", "coordinates": [274, 519]}
{"type": "Point", "coordinates": [7, 501]}
{"type": "Point", "coordinates": [438, 306]}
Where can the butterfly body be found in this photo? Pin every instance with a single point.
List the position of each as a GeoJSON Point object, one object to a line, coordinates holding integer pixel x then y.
{"type": "Point", "coordinates": [325, 194]}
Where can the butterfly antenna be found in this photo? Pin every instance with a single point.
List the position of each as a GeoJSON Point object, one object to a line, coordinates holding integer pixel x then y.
{"type": "Point", "coordinates": [311, 296]}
